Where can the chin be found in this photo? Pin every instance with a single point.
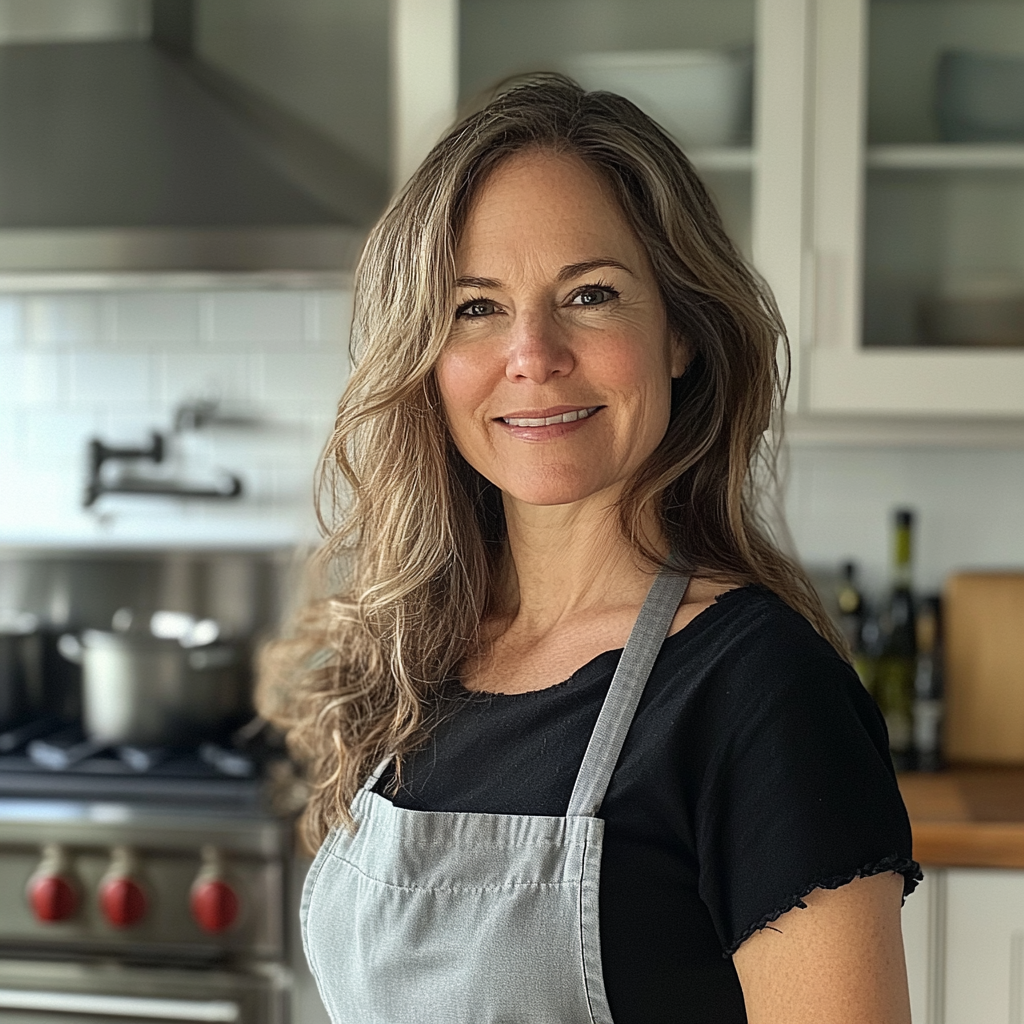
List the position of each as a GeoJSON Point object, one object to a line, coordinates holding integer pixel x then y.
{"type": "Point", "coordinates": [552, 492]}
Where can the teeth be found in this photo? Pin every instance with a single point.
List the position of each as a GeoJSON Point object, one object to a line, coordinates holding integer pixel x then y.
{"type": "Point", "coordinates": [565, 417]}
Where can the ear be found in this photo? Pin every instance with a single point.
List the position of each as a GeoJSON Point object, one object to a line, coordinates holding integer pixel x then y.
{"type": "Point", "coordinates": [681, 356]}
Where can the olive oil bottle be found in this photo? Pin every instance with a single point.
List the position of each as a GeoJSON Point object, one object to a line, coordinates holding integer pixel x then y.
{"type": "Point", "coordinates": [897, 664]}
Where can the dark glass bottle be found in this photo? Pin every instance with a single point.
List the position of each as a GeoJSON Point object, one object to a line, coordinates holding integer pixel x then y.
{"type": "Point", "coordinates": [853, 616]}
{"type": "Point", "coordinates": [896, 668]}
{"type": "Point", "coordinates": [928, 686]}
{"type": "Point", "coordinates": [851, 605]}
{"type": "Point", "coordinates": [868, 651]}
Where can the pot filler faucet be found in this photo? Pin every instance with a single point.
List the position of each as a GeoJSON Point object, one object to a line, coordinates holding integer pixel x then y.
{"type": "Point", "coordinates": [101, 453]}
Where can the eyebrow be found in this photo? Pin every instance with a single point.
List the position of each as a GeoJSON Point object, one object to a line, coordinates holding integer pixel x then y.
{"type": "Point", "coordinates": [567, 273]}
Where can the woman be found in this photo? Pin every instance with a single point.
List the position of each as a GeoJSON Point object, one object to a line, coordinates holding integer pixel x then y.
{"type": "Point", "coordinates": [563, 377]}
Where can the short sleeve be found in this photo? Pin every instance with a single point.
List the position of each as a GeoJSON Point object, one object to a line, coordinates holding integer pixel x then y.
{"type": "Point", "coordinates": [800, 793]}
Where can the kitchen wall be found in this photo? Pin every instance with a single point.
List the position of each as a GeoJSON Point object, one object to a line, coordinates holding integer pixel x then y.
{"type": "Point", "coordinates": [115, 365]}
{"type": "Point", "coordinates": [970, 503]}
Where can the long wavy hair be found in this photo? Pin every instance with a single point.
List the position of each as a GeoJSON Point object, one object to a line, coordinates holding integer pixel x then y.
{"type": "Point", "coordinates": [414, 536]}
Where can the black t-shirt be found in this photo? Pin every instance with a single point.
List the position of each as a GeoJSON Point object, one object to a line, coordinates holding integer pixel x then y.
{"type": "Point", "coordinates": [756, 769]}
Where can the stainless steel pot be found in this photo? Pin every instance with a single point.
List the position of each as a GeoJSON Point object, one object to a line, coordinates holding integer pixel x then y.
{"type": "Point", "coordinates": [142, 691]}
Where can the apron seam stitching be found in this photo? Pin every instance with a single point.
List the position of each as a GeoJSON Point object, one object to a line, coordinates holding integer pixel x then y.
{"type": "Point", "coordinates": [462, 888]}
{"type": "Point", "coordinates": [583, 939]}
{"type": "Point", "coordinates": [306, 903]}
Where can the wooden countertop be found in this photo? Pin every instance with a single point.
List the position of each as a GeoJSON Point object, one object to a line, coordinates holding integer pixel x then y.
{"type": "Point", "coordinates": [967, 816]}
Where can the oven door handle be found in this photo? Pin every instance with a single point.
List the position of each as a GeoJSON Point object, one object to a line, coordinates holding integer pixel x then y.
{"type": "Point", "coordinates": [216, 1011]}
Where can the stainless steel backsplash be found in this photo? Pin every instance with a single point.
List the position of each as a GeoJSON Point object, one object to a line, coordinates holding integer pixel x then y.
{"type": "Point", "coordinates": [247, 592]}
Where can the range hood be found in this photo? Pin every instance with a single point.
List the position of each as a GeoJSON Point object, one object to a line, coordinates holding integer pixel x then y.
{"type": "Point", "coordinates": [133, 156]}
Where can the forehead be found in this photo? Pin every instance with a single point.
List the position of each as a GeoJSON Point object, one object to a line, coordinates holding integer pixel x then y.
{"type": "Point", "coordinates": [543, 208]}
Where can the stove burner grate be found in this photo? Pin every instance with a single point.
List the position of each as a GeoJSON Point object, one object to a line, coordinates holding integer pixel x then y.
{"type": "Point", "coordinates": [45, 758]}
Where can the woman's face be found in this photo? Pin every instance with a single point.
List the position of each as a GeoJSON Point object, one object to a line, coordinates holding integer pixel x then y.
{"type": "Point", "coordinates": [556, 380]}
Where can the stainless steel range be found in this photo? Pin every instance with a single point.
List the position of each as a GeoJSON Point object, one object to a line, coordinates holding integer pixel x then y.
{"type": "Point", "coordinates": [169, 903]}
{"type": "Point", "coordinates": [138, 883]}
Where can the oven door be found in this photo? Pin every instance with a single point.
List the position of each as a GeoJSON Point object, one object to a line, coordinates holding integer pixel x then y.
{"type": "Point", "coordinates": [59, 992]}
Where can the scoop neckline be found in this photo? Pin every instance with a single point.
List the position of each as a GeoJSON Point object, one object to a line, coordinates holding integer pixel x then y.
{"type": "Point", "coordinates": [686, 632]}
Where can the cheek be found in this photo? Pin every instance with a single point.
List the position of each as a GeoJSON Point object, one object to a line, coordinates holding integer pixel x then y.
{"type": "Point", "coordinates": [640, 373]}
{"type": "Point", "coordinates": [464, 383]}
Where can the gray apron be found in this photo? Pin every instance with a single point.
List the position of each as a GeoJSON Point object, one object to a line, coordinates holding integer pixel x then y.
{"type": "Point", "coordinates": [439, 917]}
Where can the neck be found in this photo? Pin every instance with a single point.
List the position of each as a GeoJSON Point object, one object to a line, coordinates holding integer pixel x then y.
{"type": "Point", "coordinates": [572, 558]}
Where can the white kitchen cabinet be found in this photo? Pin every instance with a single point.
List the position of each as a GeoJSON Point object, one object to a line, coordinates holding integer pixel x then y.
{"type": "Point", "coordinates": [984, 947]}
{"type": "Point", "coordinates": [918, 920]}
{"type": "Point", "coordinates": [924, 932]}
{"type": "Point", "coordinates": [963, 932]}
{"type": "Point", "coordinates": [900, 217]}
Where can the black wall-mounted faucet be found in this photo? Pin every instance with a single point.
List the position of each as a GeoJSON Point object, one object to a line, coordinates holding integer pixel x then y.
{"type": "Point", "coordinates": [100, 453]}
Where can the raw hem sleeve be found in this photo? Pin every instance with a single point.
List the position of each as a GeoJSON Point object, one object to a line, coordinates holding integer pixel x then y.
{"type": "Point", "coordinates": [909, 869]}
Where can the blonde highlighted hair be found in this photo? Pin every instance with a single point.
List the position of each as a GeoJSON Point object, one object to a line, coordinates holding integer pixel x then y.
{"type": "Point", "coordinates": [416, 534]}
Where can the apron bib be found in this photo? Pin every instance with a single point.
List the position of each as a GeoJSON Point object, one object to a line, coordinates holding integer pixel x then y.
{"type": "Point", "coordinates": [464, 918]}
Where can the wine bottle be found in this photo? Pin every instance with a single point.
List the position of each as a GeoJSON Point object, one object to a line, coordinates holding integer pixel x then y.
{"type": "Point", "coordinates": [896, 668]}
{"type": "Point", "coordinates": [928, 686]}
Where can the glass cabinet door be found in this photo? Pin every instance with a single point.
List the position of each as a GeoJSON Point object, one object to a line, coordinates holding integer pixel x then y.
{"type": "Point", "coordinates": [689, 63]}
{"type": "Point", "coordinates": [917, 254]}
{"type": "Point", "coordinates": [944, 198]}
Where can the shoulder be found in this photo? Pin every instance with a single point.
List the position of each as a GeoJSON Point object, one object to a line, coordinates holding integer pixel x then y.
{"type": "Point", "coordinates": [748, 661]}
{"type": "Point", "coordinates": [749, 626]}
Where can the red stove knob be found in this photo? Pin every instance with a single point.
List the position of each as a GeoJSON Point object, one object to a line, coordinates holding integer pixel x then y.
{"type": "Point", "coordinates": [214, 904]}
{"type": "Point", "coordinates": [121, 897]}
{"type": "Point", "coordinates": [123, 901]}
{"type": "Point", "coordinates": [52, 897]}
{"type": "Point", "coordinates": [51, 891]}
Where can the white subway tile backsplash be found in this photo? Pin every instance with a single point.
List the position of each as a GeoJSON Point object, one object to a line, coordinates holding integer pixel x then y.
{"type": "Point", "coordinates": [65, 321]}
{"type": "Point", "coordinates": [168, 321]}
{"type": "Point", "coordinates": [107, 377]}
{"type": "Point", "coordinates": [34, 378]}
{"type": "Point", "coordinates": [202, 375]}
{"type": "Point", "coordinates": [329, 320]}
{"type": "Point", "coordinates": [315, 380]}
{"type": "Point", "coordinates": [12, 332]}
{"type": "Point", "coordinates": [57, 442]}
{"type": "Point", "coordinates": [115, 365]}
{"type": "Point", "coordinates": [132, 428]}
{"type": "Point", "coordinates": [970, 508]}
{"type": "Point", "coordinates": [9, 424]}
{"type": "Point", "coordinates": [252, 320]}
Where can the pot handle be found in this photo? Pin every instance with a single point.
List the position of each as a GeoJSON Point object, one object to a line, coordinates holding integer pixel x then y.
{"type": "Point", "coordinates": [70, 648]}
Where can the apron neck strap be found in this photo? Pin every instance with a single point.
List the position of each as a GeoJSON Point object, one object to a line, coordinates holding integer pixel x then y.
{"type": "Point", "coordinates": [377, 773]}
{"type": "Point", "coordinates": [627, 686]}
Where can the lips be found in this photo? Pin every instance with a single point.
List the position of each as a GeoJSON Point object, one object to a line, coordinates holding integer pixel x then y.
{"type": "Point", "coordinates": [544, 418]}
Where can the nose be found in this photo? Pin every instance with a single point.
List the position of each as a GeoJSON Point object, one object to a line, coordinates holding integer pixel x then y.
{"type": "Point", "coordinates": [538, 350]}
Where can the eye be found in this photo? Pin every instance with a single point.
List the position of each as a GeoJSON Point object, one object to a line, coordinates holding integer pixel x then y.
{"type": "Point", "coordinates": [593, 295]}
{"type": "Point", "coordinates": [474, 309]}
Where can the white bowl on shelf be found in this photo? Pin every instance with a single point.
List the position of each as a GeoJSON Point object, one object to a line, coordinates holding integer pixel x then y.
{"type": "Point", "coordinates": [701, 97]}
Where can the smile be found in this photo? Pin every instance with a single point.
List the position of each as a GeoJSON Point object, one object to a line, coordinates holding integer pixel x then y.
{"type": "Point", "coordinates": [547, 421]}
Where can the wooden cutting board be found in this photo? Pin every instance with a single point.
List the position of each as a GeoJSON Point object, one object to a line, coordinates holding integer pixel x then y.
{"type": "Point", "coordinates": [983, 620]}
